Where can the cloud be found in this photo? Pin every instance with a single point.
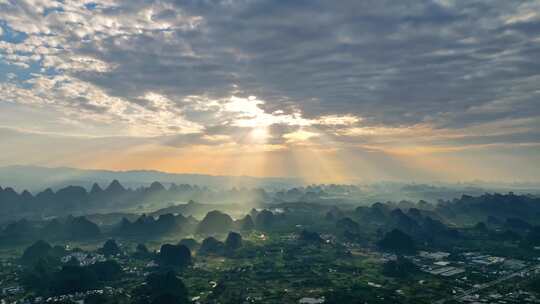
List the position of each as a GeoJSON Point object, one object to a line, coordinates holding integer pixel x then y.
{"type": "Point", "coordinates": [388, 62]}
{"type": "Point", "coordinates": [374, 73]}
{"type": "Point", "coordinates": [299, 136]}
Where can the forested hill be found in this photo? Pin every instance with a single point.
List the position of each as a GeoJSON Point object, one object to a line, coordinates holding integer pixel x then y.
{"type": "Point", "coordinates": [115, 197]}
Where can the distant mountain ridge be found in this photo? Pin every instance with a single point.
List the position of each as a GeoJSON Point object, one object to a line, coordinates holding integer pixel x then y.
{"type": "Point", "coordinates": [36, 178]}
{"type": "Point", "coordinates": [115, 197]}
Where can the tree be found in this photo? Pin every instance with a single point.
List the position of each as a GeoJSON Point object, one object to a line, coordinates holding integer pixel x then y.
{"type": "Point", "coordinates": [174, 255]}
{"type": "Point", "coordinates": [398, 242]}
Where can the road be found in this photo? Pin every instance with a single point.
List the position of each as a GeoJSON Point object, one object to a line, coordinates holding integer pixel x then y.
{"type": "Point", "coordinates": [526, 270]}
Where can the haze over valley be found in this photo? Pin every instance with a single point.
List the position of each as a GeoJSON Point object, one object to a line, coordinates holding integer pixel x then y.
{"type": "Point", "coordinates": [264, 151]}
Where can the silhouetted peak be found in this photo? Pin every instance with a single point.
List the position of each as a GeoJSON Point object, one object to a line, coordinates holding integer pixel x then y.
{"type": "Point", "coordinates": [156, 187]}
{"type": "Point", "coordinates": [246, 223]}
{"type": "Point", "coordinates": [124, 222]}
{"type": "Point", "coordinates": [115, 187]}
{"type": "Point", "coordinates": [78, 219]}
{"type": "Point", "coordinates": [110, 248]}
{"type": "Point", "coordinates": [397, 212]}
{"type": "Point", "coordinates": [96, 189]}
{"type": "Point", "coordinates": [253, 213]}
{"type": "Point", "coordinates": [72, 190]}
{"type": "Point", "coordinates": [166, 217]}
{"type": "Point", "coordinates": [265, 212]}
{"type": "Point", "coordinates": [233, 241]}
{"type": "Point", "coordinates": [214, 213]}
{"type": "Point", "coordinates": [144, 219]}
{"type": "Point", "coordinates": [174, 255]}
{"type": "Point", "coordinates": [211, 246]}
{"type": "Point", "coordinates": [265, 219]}
{"type": "Point", "coordinates": [347, 224]}
{"type": "Point", "coordinates": [379, 206]}
{"type": "Point", "coordinates": [467, 197]}
{"type": "Point", "coordinates": [398, 242]}
{"type": "Point", "coordinates": [54, 222]}
{"type": "Point", "coordinates": [18, 226]}
{"type": "Point", "coordinates": [215, 221]}
{"type": "Point", "coordinates": [334, 213]}
{"type": "Point", "coordinates": [36, 251]}
{"type": "Point", "coordinates": [26, 195]}
{"type": "Point", "coordinates": [190, 243]}
{"type": "Point", "coordinates": [53, 227]}
{"type": "Point", "coordinates": [414, 213]}
{"type": "Point", "coordinates": [46, 192]}
{"type": "Point", "coordinates": [81, 227]}
{"type": "Point", "coordinates": [10, 190]}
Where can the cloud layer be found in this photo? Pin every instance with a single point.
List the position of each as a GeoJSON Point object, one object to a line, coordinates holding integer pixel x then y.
{"type": "Point", "coordinates": [400, 78]}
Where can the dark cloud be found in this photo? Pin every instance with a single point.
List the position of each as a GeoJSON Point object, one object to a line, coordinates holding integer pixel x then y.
{"type": "Point", "coordinates": [526, 138]}
{"type": "Point", "coordinates": [390, 62]}
{"type": "Point", "coordinates": [447, 63]}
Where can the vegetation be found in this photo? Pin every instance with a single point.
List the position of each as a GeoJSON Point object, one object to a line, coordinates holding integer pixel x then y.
{"type": "Point", "coordinates": [277, 254]}
{"type": "Point", "coordinates": [398, 242]}
{"type": "Point", "coordinates": [174, 255]}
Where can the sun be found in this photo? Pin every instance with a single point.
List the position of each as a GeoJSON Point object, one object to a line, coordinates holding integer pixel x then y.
{"type": "Point", "coordinates": [259, 134]}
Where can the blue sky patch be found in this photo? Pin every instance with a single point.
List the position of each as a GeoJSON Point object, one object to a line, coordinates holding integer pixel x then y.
{"type": "Point", "coordinates": [11, 35]}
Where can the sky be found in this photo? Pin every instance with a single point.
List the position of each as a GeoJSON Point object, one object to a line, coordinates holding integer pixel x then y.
{"type": "Point", "coordinates": [326, 91]}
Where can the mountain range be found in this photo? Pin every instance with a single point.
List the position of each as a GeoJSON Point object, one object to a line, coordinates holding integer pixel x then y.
{"type": "Point", "coordinates": [35, 178]}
